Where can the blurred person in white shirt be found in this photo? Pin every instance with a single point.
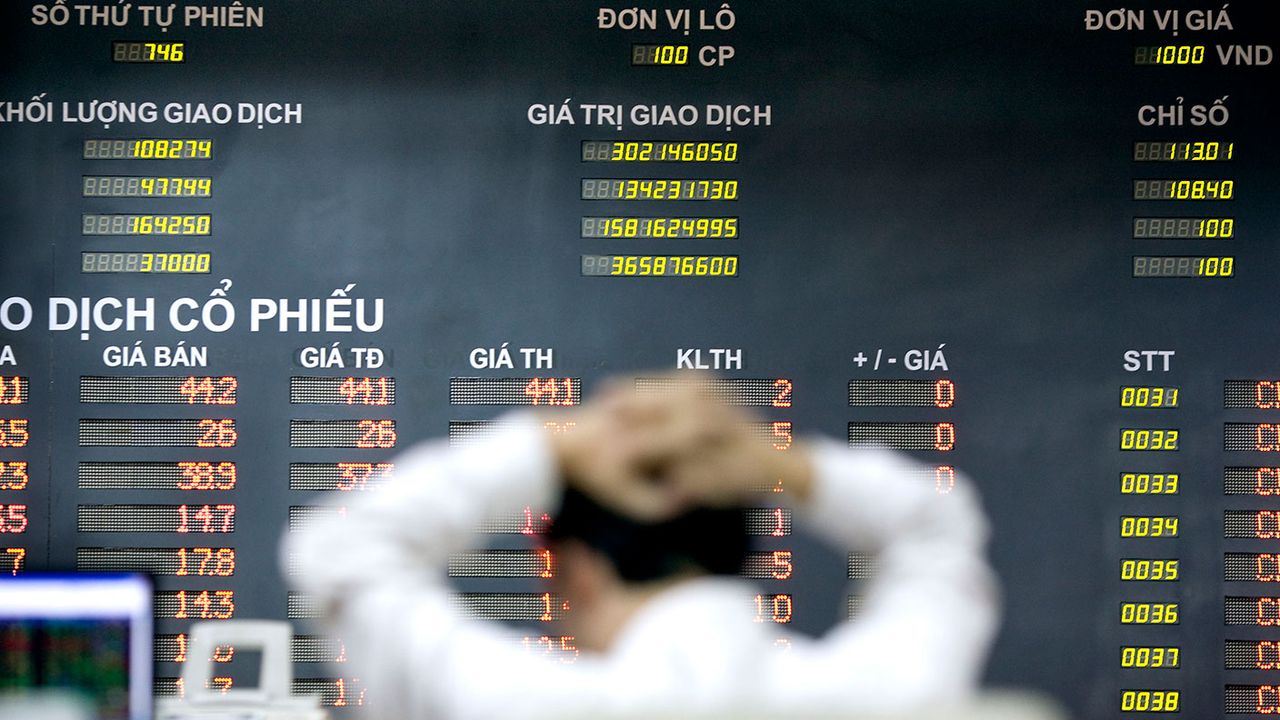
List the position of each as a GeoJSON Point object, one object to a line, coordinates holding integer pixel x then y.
{"type": "Point", "coordinates": [648, 492]}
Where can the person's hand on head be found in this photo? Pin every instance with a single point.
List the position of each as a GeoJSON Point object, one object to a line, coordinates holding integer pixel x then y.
{"type": "Point", "coordinates": [652, 456]}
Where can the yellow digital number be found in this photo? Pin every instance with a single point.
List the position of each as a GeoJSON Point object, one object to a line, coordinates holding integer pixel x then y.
{"type": "Point", "coordinates": [1149, 701]}
{"type": "Point", "coordinates": [1147, 569]}
{"type": "Point", "coordinates": [1132, 656]}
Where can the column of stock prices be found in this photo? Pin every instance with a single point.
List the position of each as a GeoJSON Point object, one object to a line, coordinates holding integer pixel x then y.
{"type": "Point", "coordinates": [252, 251]}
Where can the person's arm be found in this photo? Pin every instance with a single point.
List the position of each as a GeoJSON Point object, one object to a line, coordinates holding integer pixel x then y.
{"type": "Point", "coordinates": [380, 576]}
{"type": "Point", "coordinates": [931, 611]}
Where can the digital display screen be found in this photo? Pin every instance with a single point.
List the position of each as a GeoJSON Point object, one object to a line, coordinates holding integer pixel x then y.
{"type": "Point", "coordinates": [940, 436]}
{"type": "Point", "coordinates": [14, 390]}
{"type": "Point", "coordinates": [658, 189]}
{"type": "Point", "coordinates": [363, 434]}
{"type": "Point", "coordinates": [171, 390]}
{"type": "Point", "coordinates": [675, 228]}
{"type": "Point", "coordinates": [1251, 699]}
{"type": "Point", "coordinates": [146, 224]}
{"type": "Point", "coordinates": [1179, 151]}
{"type": "Point", "coordinates": [1185, 189]}
{"type": "Point", "coordinates": [659, 55]}
{"type": "Point", "coordinates": [339, 476]}
{"type": "Point", "coordinates": [145, 262]}
{"type": "Point", "coordinates": [1152, 397]}
{"type": "Point", "coordinates": [121, 186]}
{"type": "Point", "coordinates": [1169, 55]}
{"type": "Point", "coordinates": [902, 393]}
{"type": "Point", "coordinates": [1251, 567]}
{"type": "Point", "coordinates": [181, 561]}
{"type": "Point", "coordinates": [548, 391]}
{"type": "Point", "coordinates": [348, 390]}
{"type": "Point", "coordinates": [1027, 244]}
{"type": "Point", "coordinates": [1183, 266]}
{"type": "Point", "coordinates": [1252, 654]}
{"type": "Point", "coordinates": [1259, 394]}
{"type": "Point", "coordinates": [182, 475]}
{"type": "Point", "coordinates": [148, 149]}
{"type": "Point", "coordinates": [185, 519]}
{"type": "Point", "coordinates": [1260, 481]}
{"type": "Point", "coordinates": [175, 432]}
{"type": "Point", "coordinates": [1183, 228]}
{"type": "Point", "coordinates": [148, 52]}
{"type": "Point", "coordinates": [757, 392]}
{"type": "Point", "coordinates": [503, 564]}
{"type": "Point", "coordinates": [717, 266]}
{"type": "Point", "coordinates": [1255, 437]}
{"type": "Point", "coordinates": [651, 151]}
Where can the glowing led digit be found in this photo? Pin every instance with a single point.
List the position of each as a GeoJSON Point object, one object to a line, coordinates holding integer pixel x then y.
{"type": "Point", "coordinates": [944, 479]}
{"type": "Point", "coordinates": [15, 556]}
{"type": "Point", "coordinates": [13, 519]}
{"type": "Point", "coordinates": [1267, 567]}
{"type": "Point", "coordinates": [783, 398]}
{"type": "Point", "coordinates": [218, 433]}
{"type": "Point", "coordinates": [782, 435]}
{"type": "Point", "coordinates": [782, 566]}
{"type": "Point", "coordinates": [1267, 655]}
{"type": "Point", "coordinates": [1266, 481]}
{"type": "Point", "coordinates": [13, 390]}
{"type": "Point", "coordinates": [1266, 394]}
{"type": "Point", "coordinates": [944, 437]}
{"type": "Point", "coordinates": [1266, 437]}
{"type": "Point", "coordinates": [13, 475]}
{"type": "Point", "coordinates": [1267, 612]}
{"type": "Point", "coordinates": [14, 433]}
{"type": "Point", "coordinates": [1266, 524]}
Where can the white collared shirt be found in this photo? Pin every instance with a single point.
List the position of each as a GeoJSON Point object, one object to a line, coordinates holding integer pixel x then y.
{"type": "Point", "coordinates": [922, 635]}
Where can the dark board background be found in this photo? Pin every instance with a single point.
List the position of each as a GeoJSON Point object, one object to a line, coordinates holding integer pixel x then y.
{"type": "Point", "coordinates": [951, 173]}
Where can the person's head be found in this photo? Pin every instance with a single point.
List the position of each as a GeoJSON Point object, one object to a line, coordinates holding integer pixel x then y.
{"type": "Point", "coordinates": [607, 564]}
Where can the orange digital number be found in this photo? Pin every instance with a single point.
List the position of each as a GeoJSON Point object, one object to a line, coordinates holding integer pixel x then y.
{"type": "Point", "coordinates": [14, 433]}
{"type": "Point", "coordinates": [218, 605]}
{"type": "Point", "coordinates": [218, 433]}
{"type": "Point", "coordinates": [555, 428]}
{"type": "Point", "coordinates": [341, 700]}
{"type": "Point", "coordinates": [13, 475]}
{"type": "Point", "coordinates": [207, 476]}
{"type": "Point", "coordinates": [16, 557]}
{"type": "Point", "coordinates": [782, 435]}
{"type": "Point", "coordinates": [783, 398]}
{"type": "Point", "coordinates": [1266, 394]}
{"type": "Point", "coordinates": [944, 436]}
{"type": "Point", "coordinates": [1268, 655]}
{"type": "Point", "coordinates": [217, 562]}
{"type": "Point", "coordinates": [779, 523]}
{"type": "Point", "coordinates": [377, 434]}
{"type": "Point", "coordinates": [776, 608]}
{"type": "Point", "coordinates": [355, 475]}
{"type": "Point", "coordinates": [366, 391]}
{"type": "Point", "coordinates": [532, 528]}
{"type": "Point", "coordinates": [13, 519]}
{"type": "Point", "coordinates": [551, 391]}
{"type": "Point", "coordinates": [209, 391]}
{"type": "Point", "coordinates": [1266, 437]}
{"type": "Point", "coordinates": [12, 390]}
{"type": "Point", "coordinates": [208, 518]}
{"type": "Point", "coordinates": [782, 567]}
{"type": "Point", "coordinates": [944, 479]}
{"type": "Point", "coordinates": [944, 393]}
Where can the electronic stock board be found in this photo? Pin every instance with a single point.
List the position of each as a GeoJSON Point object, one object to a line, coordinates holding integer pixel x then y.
{"type": "Point", "coordinates": [252, 250]}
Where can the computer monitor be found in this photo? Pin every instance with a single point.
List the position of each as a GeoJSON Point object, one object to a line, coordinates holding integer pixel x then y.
{"type": "Point", "coordinates": [87, 633]}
